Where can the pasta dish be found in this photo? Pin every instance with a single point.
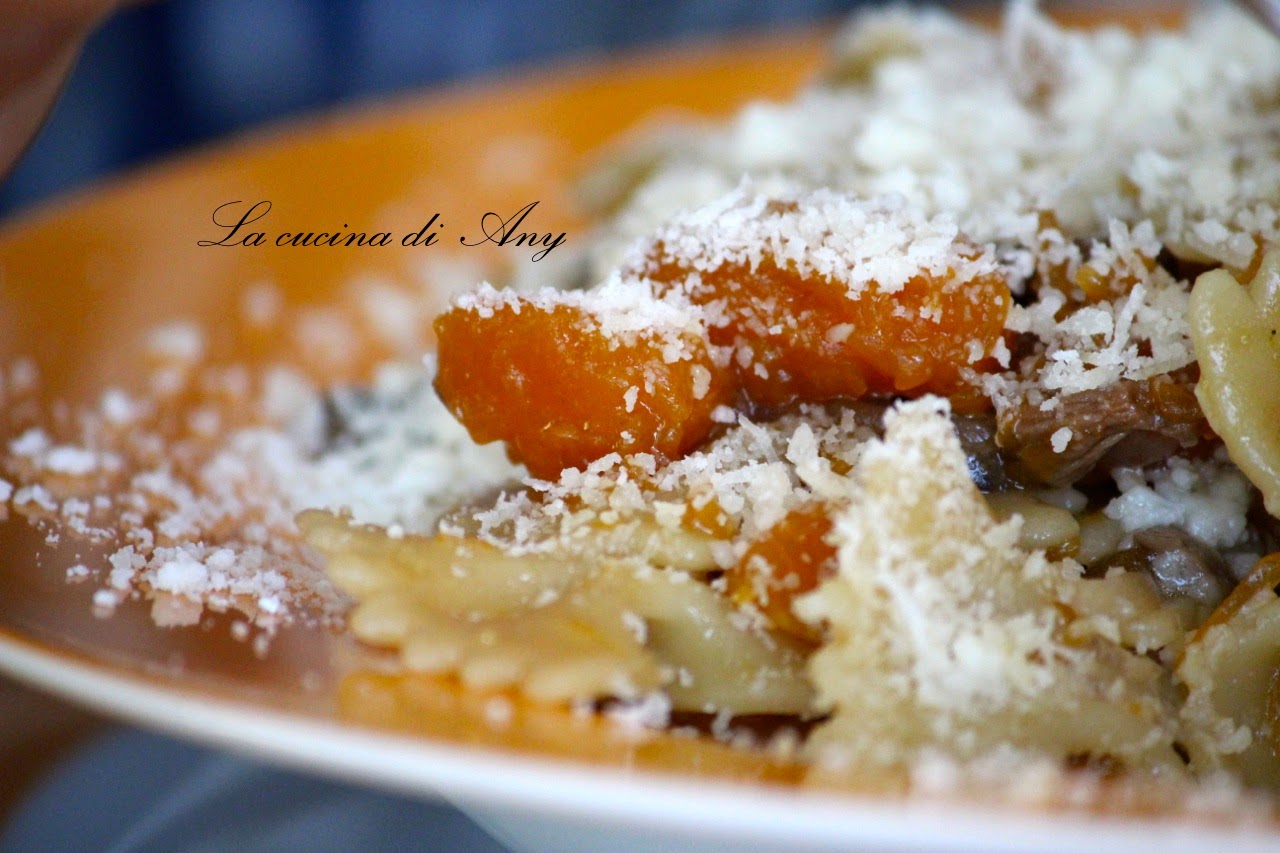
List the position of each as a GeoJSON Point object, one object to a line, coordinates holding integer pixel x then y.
{"type": "Point", "coordinates": [923, 424]}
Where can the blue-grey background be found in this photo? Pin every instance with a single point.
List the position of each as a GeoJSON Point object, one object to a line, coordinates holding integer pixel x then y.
{"type": "Point", "coordinates": [169, 75]}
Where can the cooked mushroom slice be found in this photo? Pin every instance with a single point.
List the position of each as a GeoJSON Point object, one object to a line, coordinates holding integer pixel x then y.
{"type": "Point", "coordinates": [987, 464]}
{"type": "Point", "coordinates": [1129, 423]}
{"type": "Point", "coordinates": [1183, 566]}
{"type": "Point", "coordinates": [1186, 573]}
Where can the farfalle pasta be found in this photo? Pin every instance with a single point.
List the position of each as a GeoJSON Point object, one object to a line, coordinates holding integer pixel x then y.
{"type": "Point", "coordinates": [918, 436]}
{"type": "Point", "coordinates": [1234, 324]}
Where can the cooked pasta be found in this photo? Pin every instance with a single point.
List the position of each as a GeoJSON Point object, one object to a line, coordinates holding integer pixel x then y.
{"type": "Point", "coordinates": [920, 431]}
{"type": "Point", "coordinates": [1234, 325]}
{"type": "Point", "coordinates": [555, 626]}
{"type": "Point", "coordinates": [1231, 668]}
{"type": "Point", "coordinates": [946, 636]}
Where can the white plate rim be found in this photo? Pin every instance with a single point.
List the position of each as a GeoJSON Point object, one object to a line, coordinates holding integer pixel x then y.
{"type": "Point", "coordinates": [702, 809]}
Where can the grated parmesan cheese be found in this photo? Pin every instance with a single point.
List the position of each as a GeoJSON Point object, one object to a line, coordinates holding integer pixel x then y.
{"type": "Point", "coordinates": [884, 242]}
{"type": "Point", "coordinates": [622, 309]}
{"type": "Point", "coordinates": [180, 341]}
{"type": "Point", "coordinates": [945, 634]}
{"type": "Point", "coordinates": [1208, 498]}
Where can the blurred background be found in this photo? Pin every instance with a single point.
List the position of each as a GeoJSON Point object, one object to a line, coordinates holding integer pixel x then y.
{"type": "Point", "coordinates": [165, 76]}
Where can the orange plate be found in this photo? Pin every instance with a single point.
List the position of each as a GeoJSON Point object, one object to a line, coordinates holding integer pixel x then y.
{"type": "Point", "coordinates": [81, 278]}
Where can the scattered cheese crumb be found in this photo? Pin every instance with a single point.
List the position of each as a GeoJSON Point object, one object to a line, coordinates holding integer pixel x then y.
{"type": "Point", "coordinates": [179, 341]}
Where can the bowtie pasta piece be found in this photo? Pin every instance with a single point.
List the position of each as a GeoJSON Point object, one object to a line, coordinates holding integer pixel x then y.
{"type": "Point", "coordinates": [943, 635]}
{"type": "Point", "coordinates": [1234, 328]}
{"type": "Point", "coordinates": [557, 627]}
{"type": "Point", "coordinates": [1232, 670]}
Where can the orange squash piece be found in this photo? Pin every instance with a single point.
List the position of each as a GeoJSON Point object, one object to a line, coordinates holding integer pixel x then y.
{"type": "Point", "coordinates": [806, 339]}
{"type": "Point", "coordinates": [788, 560]}
{"type": "Point", "coordinates": [561, 392]}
